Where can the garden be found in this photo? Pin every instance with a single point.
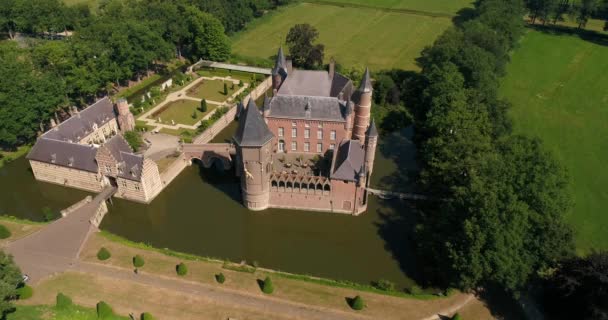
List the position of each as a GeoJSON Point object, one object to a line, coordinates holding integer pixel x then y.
{"type": "Point", "coordinates": [214, 90]}
{"type": "Point", "coordinates": [183, 111]}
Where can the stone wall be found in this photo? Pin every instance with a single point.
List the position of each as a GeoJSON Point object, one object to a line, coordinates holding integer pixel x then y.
{"type": "Point", "coordinates": [101, 211]}
{"type": "Point", "coordinates": [65, 212]}
{"type": "Point", "coordinates": [68, 177]}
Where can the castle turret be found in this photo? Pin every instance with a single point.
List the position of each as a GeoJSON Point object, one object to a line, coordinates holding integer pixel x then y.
{"type": "Point", "coordinates": [370, 147]}
{"type": "Point", "coordinates": [254, 158]}
{"type": "Point", "coordinates": [349, 112]}
{"type": "Point", "coordinates": [280, 71]}
{"type": "Point", "coordinates": [126, 121]}
{"type": "Point", "coordinates": [363, 104]}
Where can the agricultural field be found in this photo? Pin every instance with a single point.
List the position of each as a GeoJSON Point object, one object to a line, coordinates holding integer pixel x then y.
{"type": "Point", "coordinates": [431, 6]}
{"type": "Point", "coordinates": [354, 36]}
{"type": "Point", "coordinates": [559, 89]}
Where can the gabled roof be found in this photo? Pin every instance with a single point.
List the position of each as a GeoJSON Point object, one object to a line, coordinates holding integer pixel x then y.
{"type": "Point", "coordinates": [350, 158]}
{"type": "Point", "coordinates": [130, 164]}
{"type": "Point", "coordinates": [366, 82]}
{"type": "Point", "coordinates": [81, 124]}
{"type": "Point", "coordinates": [252, 131]}
{"type": "Point", "coordinates": [319, 108]}
{"type": "Point", "coordinates": [65, 154]}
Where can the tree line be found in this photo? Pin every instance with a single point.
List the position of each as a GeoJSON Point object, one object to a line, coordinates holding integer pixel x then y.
{"type": "Point", "coordinates": [121, 40]}
{"type": "Point", "coordinates": [503, 196]}
{"type": "Point", "coordinates": [553, 11]}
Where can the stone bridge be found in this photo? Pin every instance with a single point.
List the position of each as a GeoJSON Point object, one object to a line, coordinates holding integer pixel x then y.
{"type": "Point", "coordinates": [210, 152]}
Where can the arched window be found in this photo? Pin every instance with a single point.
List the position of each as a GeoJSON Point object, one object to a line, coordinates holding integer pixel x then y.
{"type": "Point", "coordinates": [281, 184]}
{"type": "Point", "coordinates": [327, 187]}
{"type": "Point", "coordinates": [296, 185]}
{"type": "Point", "coordinates": [273, 183]}
{"type": "Point", "coordinates": [319, 186]}
{"type": "Point", "coordinates": [289, 185]}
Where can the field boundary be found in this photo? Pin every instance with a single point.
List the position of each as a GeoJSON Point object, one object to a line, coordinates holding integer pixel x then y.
{"type": "Point", "coordinates": [395, 10]}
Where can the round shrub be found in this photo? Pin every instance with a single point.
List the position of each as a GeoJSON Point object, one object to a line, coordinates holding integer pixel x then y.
{"type": "Point", "coordinates": [357, 303]}
{"type": "Point", "coordinates": [25, 292]}
{"type": "Point", "coordinates": [181, 269]}
{"type": "Point", "coordinates": [220, 278]}
{"type": "Point", "coordinates": [63, 301]}
{"type": "Point", "coordinates": [457, 317]}
{"type": "Point", "coordinates": [138, 261]}
{"type": "Point", "coordinates": [4, 232]}
{"type": "Point", "coordinates": [104, 311]}
{"type": "Point", "coordinates": [146, 316]}
{"type": "Point", "coordinates": [268, 287]}
{"type": "Point", "coordinates": [103, 254]}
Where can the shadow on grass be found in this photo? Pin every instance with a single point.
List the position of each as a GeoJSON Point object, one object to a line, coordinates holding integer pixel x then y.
{"type": "Point", "coordinates": [587, 35]}
{"type": "Point", "coordinates": [260, 283]}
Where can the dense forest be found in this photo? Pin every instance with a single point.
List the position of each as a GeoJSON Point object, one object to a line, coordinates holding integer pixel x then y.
{"type": "Point", "coordinates": [119, 41]}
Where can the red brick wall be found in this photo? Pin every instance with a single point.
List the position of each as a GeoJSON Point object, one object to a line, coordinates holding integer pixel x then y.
{"type": "Point", "coordinates": [327, 127]}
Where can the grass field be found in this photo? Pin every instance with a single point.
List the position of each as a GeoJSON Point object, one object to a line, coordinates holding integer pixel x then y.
{"type": "Point", "coordinates": [212, 90]}
{"type": "Point", "coordinates": [353, 36]}
{"type": "Point", "coordinates": [434, 6]}
{"type": "Point", "coordinates": [181, 111]}
{"type": "Point", "coordinates": [558, 85]}
{"type": "Point", "coordinates": [42, 312]}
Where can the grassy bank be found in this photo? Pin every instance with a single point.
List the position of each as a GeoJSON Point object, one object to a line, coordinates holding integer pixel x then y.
{"type": "Point", "coordinates": [40, 312]}
{"type": "Point", "coordinates": [8, 156]}
{"type": "Point", "coordinates": [557, 84]}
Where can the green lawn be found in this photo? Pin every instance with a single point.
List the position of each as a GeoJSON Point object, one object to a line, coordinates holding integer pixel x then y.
{"type": "Point", "coordinates": [47, 312]}
{"type": "Point", "coordinates": [181, 111]}
{"type": "Point", "coordinates": [558, 85]}
{"type": "Point", "coordinates": [245, 77]}
{"type": "Point", "coordinates": [353, 36]}
{"type": "Point", "coordinates": [212, 90]}
{"type": "Point", "coordinates": [433, 6]}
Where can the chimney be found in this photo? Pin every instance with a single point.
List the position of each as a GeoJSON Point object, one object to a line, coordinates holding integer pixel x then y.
{"type": "Point", "coordinates": [53, 123]}
{"type": "Point", "coordinates": [332, 68]}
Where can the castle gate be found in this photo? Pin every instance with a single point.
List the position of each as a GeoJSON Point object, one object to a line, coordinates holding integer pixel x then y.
{"type": "Point", "coordinates": [210, 152]}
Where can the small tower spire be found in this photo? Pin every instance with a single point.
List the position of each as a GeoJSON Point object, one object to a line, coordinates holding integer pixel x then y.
{"type": "Point", "coordinates": [366, 83]}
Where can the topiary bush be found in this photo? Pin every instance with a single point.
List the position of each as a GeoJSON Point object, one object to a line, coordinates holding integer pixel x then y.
{"type": "Point", "coordinates": [220, 278]}
{"type": "Point", "coordinates": [357, 303]}
{"type": "Point", "coordinates": [4, 232]}
{"type": "Point", "coordinates": [181, 269]}
{"type": "Point", "coordinates": [268, 287]}
{"type": "Point", "coordinates": [138, 261]}
{"type": "Point", "coordinates": [63, 301]}
{"type": "Point", "coordinates": [104, 311]}
{"type": "Point", "coordinates": [146, 316]}
{"type": "Point", "coordinates": [457, 317]}
{"type": "Point", "coordinates": [103, 254]}
{"type": "Point", "coordinates": [25, 292]}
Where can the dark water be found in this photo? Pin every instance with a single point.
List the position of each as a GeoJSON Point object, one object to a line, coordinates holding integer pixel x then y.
{"type": "Point", "coordinates": [201, 213]}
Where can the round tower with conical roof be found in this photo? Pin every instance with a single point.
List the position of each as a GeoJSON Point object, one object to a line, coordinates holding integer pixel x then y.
{"type": "Point", "coordinates": [279, 72]}
{"type": "Point", "coordinates": [363, 105]}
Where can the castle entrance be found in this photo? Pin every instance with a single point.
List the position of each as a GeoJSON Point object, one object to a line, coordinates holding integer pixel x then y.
{"type": "Point", "coordinates": [111, 181]}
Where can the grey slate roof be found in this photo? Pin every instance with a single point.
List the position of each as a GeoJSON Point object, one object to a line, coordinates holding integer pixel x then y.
{"type": "Point", "coordinates": [280, 65]}
{"type": "Point", "coordinates": [65, 154]}
{"type": "Point", "coordinates": [252, 131]}
{"type": "Point", "coordinates": [130, 164]}
{"type": "Point", "coordinates": [339, 84]}
{"type": "Point", "coordinates": [80, 125]}
{"type": "Point", "coordinates": [366, 82]}
{"type": "Point", "coordinates": [307, 83]}
{"type": "Point", "coordinates": [294, 107]}
{"type": "Point", "coordinates": [372, 131]}
{"type": "Point", "coordinates": [349, 161]}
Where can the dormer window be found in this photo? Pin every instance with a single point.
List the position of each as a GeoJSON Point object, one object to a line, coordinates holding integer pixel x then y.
{"type": "Point", "coordinates": [71, 161]}
{"type": "Point", "coordinates": [53, 158]}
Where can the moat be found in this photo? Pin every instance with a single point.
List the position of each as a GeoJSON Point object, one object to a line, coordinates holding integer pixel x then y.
{"type": "Point", "coordinates": [201, 213]}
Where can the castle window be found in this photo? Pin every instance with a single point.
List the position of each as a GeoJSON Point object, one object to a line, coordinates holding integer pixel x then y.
{"type": "Point", "coordinates": [294, 132]}
{"type": "Point", "coordinates": [137, 187]}
{"type": "Point", "coordinates": [320, 134]}
{"type": "Point", "coordinates": [108, 168]}
{"type": "Point", "coordinates": [332, 146]}
{"type": "Point", "coordinates": [124, 184]}
{"type": "Point", "coordinates": [319, 147]}
{"type": "Point", "coordinates": [281, 132]}
{"type": "Point", "coordinates": [332, 135]}
{"type": "Point", "coordinates": [293, 124]}
{"type": "Point", "coordinates": [306, 146]}
{"type": "Point", "coordinates": [294, 146]}
{"type": "Point", "coordinates": [306, 133]}
{"type": "Point", "coordinates": [281, 146]}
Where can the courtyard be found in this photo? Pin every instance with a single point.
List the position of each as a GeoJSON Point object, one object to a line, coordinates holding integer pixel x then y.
{"type": "Point", "coordinates": [213, 90]}
{"type": "Point", "coordinates": [184, 111]}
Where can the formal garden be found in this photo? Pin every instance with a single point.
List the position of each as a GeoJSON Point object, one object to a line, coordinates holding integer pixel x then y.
{"type": "Point", "coordinates": [183, 111]}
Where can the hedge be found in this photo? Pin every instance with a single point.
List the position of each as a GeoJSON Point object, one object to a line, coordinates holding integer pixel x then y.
{"type": "Point", "coordinates": [63, 301]}
{"type": "Point", "coordinates": [4, 232]}
{"type": "Point", "coordinates": [181, 269]}
{"type": "Point", "coordinates": [103, 254]}
{"type": "Point", "coordinates": [146, 316]}
{"type": "Point", "coordinates": [357, 303]}
{"type": "Point", "coordinates": [104, 311]}
{"type": "Point", "coordinates": [138, 261]}
{"type": "Point", "coordinates": [220, 278]}
{"type": "Point", "coordinates": [268, 287]}
{"type": "Point", "coordinates": [25, 292]}
{"type": "Point", "coordinates": [457, 317]}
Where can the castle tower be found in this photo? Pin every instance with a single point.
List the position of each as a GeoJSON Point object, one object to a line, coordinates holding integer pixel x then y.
{"type": "Point", "coordinates": [363, 104]}
{"type": "Point", "coordinates": [348, 125]}
{"type": "Point", "coordinates": [126, 121]}
{"type": "Point", "coordinates": [254, 158]}
{"type": "Point", "coordinates": [370, 147]}
{"type": "Point", "coordinates": [279, 72]}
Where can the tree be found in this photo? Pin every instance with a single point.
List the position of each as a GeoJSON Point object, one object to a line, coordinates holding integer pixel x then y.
{"type": "Point", "coordinates": [10, 278]}
{"type": "Point", "coordinates": [357, 303]}
{"type": "Point", "coordinates": [304, 52]}
{"type": "Point", "coordinates": [203, 107]}
{"type": "Point", "coordinates": [194, 114]}
{"type": "Point", "coordinates": [542, 9]}
{"type": "Point", "coordinates": [584, 10]}
{"type": "Point", "coordinates": [63, 301]}
{"type": "Point", "coordinates": [578, 289]}
{"type": "Point", "coordinates": [103, 254]}
{"type": "Point", "coordinates": [138, 261]}
{"type": "Point", "coordinates": [134, 139]}
{"type": "Point", "coordinates": [181, 269]}
{"type": "Point", "coordinates": [104, 311]}
{"type": "Point", "coordinates": [267, 286]}
{"type": "Point", "coordinates": [220, 278]}
{"type": "Point", "coordinates": [5, 233]}
{"type": "Point", "coordinates": [146, 316]}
